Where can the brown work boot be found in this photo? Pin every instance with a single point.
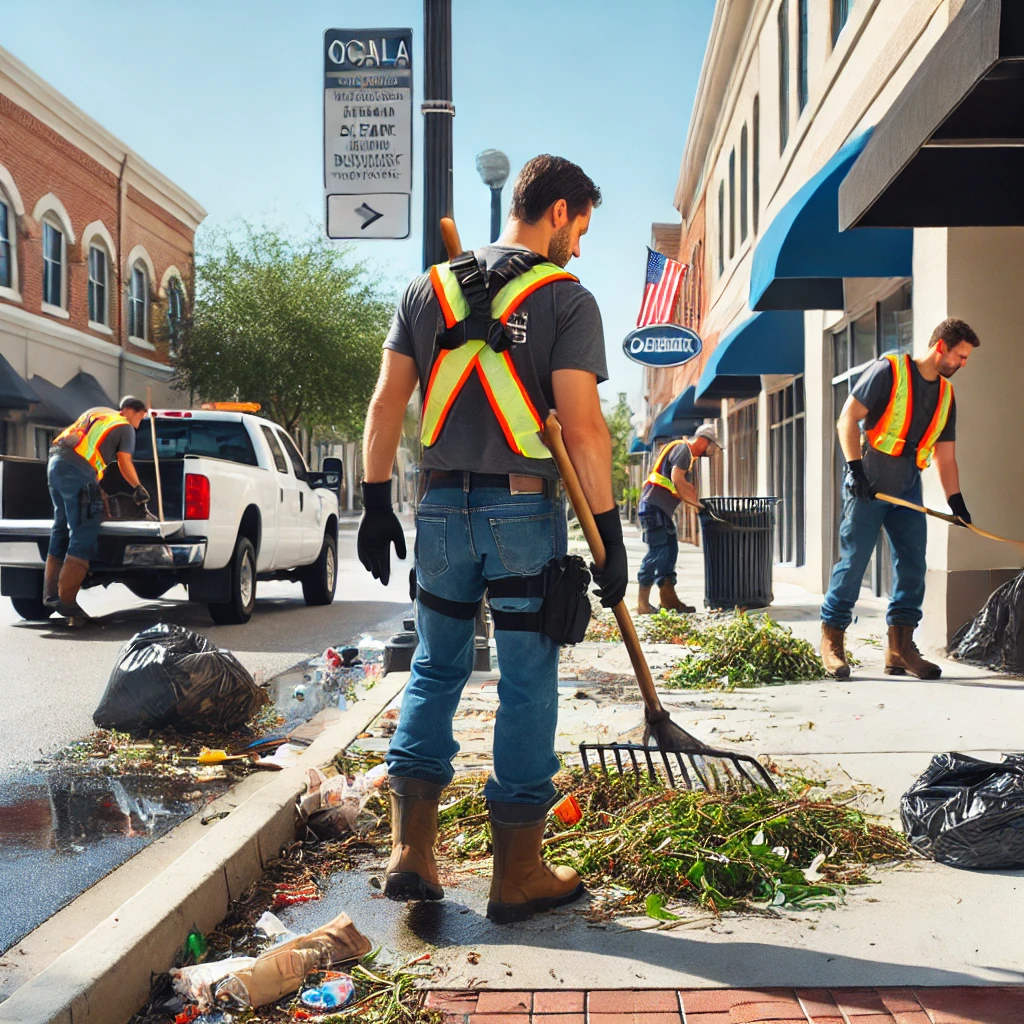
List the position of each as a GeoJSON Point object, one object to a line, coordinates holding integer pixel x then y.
{"type": "Point", "coordinates": [521, 883]}
{"type": "Point", "coordinates": [51, 578]}
{"type": "Point", "coordinates": [412, 871]}
{"type": "Point", "coordinates": [670, 600]}
{"type": "Point", "coordinates": [643, 601]}
{"type": "Point", "coordinates": [72, 576]}
{"type": "Point", "coordinates": [903, 656]}
{"type": "Point", "coordinates": [833, 651]}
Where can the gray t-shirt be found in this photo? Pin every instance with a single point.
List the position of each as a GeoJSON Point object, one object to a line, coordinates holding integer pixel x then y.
{"type": "Point", "coordinates": [653, 495]}
{"type": "Point", "coordinates": [120, 439]}
{"type": "Point", "coordinates": [893, 474]}
{"type": "Point", "coordinates": [563, 332]}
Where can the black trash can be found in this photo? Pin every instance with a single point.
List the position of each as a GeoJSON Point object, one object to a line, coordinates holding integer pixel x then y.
{"type": "Point", "coordinates": [738, 535]}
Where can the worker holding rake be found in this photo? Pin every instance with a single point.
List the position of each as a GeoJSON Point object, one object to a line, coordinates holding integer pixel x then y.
{"type": "Point", "coordinates": [909, 416]}
{"type": "Point", "coordinates": [495, 338]}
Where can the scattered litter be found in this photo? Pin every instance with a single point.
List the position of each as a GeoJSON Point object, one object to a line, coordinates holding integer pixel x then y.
{"type": "Point", "coordinates": [290, 895]}
{"type": "Point", "coordinates": [270, 928]}
{"type": "Point", "coordinates": [299, 693]}
{"type": "Point", "coordinates": [473, 958]}
{"type": "Point", "coordinates": [567, 810]}
{"type": "Point", "coordinates": [371, 653]}
{"type": "Point", "coordinates": [330, 806]}
{"type": "Point", "coordinates": [169, 676]}
{"type": "Point", "coordinates": [333, 992]}
{"type": "Point", "coordinates": [285, 756]}
{"type": "Point", "coordinates": [196, 945]}
{"type": "Point", "coordinates": [198, 982]}
{"type": "Point", "coordinates": [209, 818]}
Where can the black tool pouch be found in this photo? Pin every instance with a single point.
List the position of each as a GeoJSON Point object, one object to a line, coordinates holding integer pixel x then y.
{"type": "Point", "coordinates": [566, 611]}
{"type": "Point", "coordinates": [90, 501]}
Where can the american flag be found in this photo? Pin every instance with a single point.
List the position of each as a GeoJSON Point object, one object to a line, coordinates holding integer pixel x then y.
{"type": "Point", "coordinates": [660, 289]}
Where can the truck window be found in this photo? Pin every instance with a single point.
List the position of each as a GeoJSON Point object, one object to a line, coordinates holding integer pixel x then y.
{"type": "Point", "coordinates": [298, 462]}
{"type": "Point", "coordinates": [215, 439]}
{"type": "Point", "coordinates": [275, 450]}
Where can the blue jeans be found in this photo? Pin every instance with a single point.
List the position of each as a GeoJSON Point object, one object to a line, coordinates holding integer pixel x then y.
{"type": "Point", "coordinates": [908, 534]}
{"type": "Point", "coordinates": [659, 534]}
{"type": "Point", "coordinates": [76, 520]}
{"type": "Point", "coordinates": [464, 539]}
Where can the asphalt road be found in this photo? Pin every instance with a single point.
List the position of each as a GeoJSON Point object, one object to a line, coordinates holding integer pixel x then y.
{"type": "Point", "coordinates": [52, 678]}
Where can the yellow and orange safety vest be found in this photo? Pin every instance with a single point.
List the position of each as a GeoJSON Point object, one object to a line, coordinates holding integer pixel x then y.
{"type": "Point", "coordinates": [508, 396]}
{"type": "Point", "coordinates": [657, 478]}
{"type": "Point", "coordinates": [87, 433]}
{"type": "Point", "coordinates": [889, 434]}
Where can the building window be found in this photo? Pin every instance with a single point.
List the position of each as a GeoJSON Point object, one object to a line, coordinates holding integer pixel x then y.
{"type": "Point", "coordinates": [732, 204]}
{"type": "Point", "coordinates": [721, 227]}
{"type": "Point", "coordinates": [743, 184]}
{"type": "Point", "coordinates": [98, 285]}
{"type": "Point", "coordinates": [783, 74]}
{"type": "Point", "coordinates": [138, 303]}
{"type": "Point", "coordinates": [6, 276]}
{"type": "Point", "coordinates": [175, 313]}
{"type": "Point", "coordinates": [53, 265]}
{"type": "Point", "coordinates": [786, 447]}
{"type": "Point", "coordinates": [840, 14]}
{"type": "Point", "coordinates": [801, 54]}
{"type": "Point", "coordinates": [42, 439]}
{"type": "Point", "coordinates": [755, 177]}
{"type": "Point", "coordinates": [697, 270]}
{"type": "Point", "coordinates": [743, 449]}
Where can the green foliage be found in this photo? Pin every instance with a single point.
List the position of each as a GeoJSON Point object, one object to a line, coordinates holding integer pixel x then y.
{"type": "Point", "coordinates": [745, 651]}
{"type": "Point", "coordinates": [621, 429]}
{"type": "Point", "coordinates": [294, 324]}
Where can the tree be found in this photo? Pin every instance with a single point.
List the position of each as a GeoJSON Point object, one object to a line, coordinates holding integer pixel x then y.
{"type": "Point", "coordinates": [295, 325]}
{"type": "Point", "coordinates": [621, 429]}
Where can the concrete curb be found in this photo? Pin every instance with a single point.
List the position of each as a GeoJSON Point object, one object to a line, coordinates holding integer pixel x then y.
{"type": "Point", "coordinates": [106, 977]}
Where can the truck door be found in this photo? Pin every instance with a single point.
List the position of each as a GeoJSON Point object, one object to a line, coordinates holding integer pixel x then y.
{"type": "Point", "coordinates": [289, 524]}
{"type": "Point", "coordinates": [309, 502]}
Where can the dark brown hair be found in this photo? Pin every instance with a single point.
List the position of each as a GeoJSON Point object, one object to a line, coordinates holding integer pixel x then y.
{"type": "Point", "coordinates": [133, 403]}
{"type": "Point", "coordinates": [543, 181]}
{"type": "Point", "coordinates": [952, 331]}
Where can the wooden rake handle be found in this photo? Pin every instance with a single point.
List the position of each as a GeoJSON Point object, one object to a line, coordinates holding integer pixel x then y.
{"type": "Point", "coordinates": [949, 518]}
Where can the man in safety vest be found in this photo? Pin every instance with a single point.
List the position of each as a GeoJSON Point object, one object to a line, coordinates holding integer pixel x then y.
{"type": "Point", "coordinates": [667, 485]}
{"type": "Point", "coordinates": [494, 339]}
{"type": "Point", "coordinates": [78, 459]}
{"type": "Point", "coordinates": [909, 415]}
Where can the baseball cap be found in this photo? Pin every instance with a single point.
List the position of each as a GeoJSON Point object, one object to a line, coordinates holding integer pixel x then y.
{"type": "Point", "coordinates": [708, 431]}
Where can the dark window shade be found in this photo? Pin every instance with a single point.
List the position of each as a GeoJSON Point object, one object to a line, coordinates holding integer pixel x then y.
{"type": "Point", "coordinates": [801, 55]}
{"type": "Point", "coordinates": [755, 178]}
{"type": "Point", "coordinates": [53, 252]}
{"type": "Point", "coordinates": [743, 184]}
{"type": "Point", "coordinates": [721, 228]}
{"type": "Point", "coordinates": [840, 14]}
{"type": "Point", "coordinates": [783, 74]}
{"type": "Point", "coordinates": [5, 248]}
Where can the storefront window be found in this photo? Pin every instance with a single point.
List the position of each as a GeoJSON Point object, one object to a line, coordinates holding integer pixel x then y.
{"type": "Point", "coordinates": [896, 321]}
{"type": "Point", "coordinates": [743, 449]}
{"type": "Point", "coordinates": [786, 457]}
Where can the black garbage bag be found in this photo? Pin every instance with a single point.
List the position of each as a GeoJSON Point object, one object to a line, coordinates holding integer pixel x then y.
{"type": "Point", "coordinates": [994, 638]}
{"type": "Point", "coordinates": [167, 676]}
{"type": "Point", "coordinates": [968, 813]}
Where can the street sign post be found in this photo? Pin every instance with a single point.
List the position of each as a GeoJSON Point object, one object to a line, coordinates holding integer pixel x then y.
{"type": "Point", "coordinates": [367, 132]}
{"type": "Point", "coordinates": [662, 345]}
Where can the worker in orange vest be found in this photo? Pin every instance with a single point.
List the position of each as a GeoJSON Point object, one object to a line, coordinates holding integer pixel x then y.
{"type": "Point", "coordinates": [495, 337]}
{"type": "Point", "coordinates": [909, 415]}
{"type": "Point", "coordinates": [79, 458]}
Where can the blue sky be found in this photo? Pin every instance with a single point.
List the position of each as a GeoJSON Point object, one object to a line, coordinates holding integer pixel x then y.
{"type": "Point", "coordinates": [226, 98]}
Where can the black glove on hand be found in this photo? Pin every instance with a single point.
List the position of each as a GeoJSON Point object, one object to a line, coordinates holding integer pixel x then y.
{"type": "Point", "coordinates": [958, 508]}
{"type": "Point", "coordinates": [141, 495]}
{"type": "Point", "coordinates": [614, 577]}
{"type": "Point", "coordinates": [378, 528]}
{"type": "Point", "coordinates": [858, 480]}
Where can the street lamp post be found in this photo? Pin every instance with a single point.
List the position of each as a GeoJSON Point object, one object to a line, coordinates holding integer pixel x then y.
{"type": "Point", "coordinates": [438, 113]}
{"type": "Point", "coordinates": [493, 168]}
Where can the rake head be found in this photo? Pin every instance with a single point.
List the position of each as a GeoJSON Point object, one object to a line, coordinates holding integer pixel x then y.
{"type": "Point", "coordinates": [676, 754]}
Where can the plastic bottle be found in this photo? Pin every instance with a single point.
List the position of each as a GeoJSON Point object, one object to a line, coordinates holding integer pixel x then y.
{"type": "Point", "coordinates": [371, 652]}
{"type": "Point", "coordinates": [334, 992]}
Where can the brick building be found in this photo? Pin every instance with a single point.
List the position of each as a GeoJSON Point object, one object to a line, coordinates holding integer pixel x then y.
{"type": "Point", "coordinates": [95, 265]}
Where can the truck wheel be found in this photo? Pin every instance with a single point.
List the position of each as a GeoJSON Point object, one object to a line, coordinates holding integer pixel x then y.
{"type": "Point", "coordinates": [148, 590]}
{"type": "Point", "coordinates": [320, 578]}
{"type": "Point", "coordinates": [243, 588]}
{"type": "Point", "coordinates": [31, 608]}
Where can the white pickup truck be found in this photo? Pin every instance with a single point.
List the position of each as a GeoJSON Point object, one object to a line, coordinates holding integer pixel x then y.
{"type": "Point", "coordinates": [239, 503]}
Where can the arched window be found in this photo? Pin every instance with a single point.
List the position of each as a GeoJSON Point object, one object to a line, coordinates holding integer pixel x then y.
{"type": "Point", "coordinates": [11, 208]}
{"type": "Point", "coordinates": [98, 247]}
{"type": "Point", "coordinates": [175, 313]}
{"type": "Point", "coordinates": [55, 262]}
{"type": "Point", "coordinates": [138, 302]}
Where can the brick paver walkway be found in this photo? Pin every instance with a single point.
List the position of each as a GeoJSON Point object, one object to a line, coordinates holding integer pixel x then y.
{"type": "Point", "coordinates": [736, 1006]}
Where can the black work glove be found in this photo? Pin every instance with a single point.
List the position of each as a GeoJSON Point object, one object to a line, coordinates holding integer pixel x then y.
{"type": "Point", "coordinates": [859, 483]}
{"type": "Point", "coordinates": [141, 495]}
{"type": "Point", "coordinates": [378, 528]}
{"type": "Point", "coordinates": [958, 508]}
{"type": "Point", "coordinates": [614, 577]}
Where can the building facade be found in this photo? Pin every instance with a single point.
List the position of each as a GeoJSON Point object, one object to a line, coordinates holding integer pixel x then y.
{"type": "Point", "coordinates": [848, 196]}
{"type": "Point", "coordinates": [95, 264]}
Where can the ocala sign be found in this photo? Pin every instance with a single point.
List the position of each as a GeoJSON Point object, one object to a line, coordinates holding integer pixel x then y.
{"type": "Point", "coordinates": [662, 345]}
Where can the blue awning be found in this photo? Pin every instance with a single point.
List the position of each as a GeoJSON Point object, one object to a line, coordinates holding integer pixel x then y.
{"type": "Point", "coordinates": [681, 416]}
{"type": "Point", "coordinates": [802, 257]}
{"type": "Point", "coordinates": [771, 342]}
{"type": "Point", "coordinates": [638, 447]}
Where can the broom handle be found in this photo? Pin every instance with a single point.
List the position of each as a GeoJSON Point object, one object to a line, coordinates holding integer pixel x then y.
{"type": "Point", "coordinates": [156, 457]}
{"type": "Point", "coordinates": [578, 500]}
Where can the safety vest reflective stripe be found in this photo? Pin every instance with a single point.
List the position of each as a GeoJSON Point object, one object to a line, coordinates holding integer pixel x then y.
{"type": "Point", "coordinates": [937, 425]}
{"type": "Point", "coordinates": [509, 400]}
{"type": "Point", "coordinates": [657, 478]}
{"type": "Point", "coordinates": [89, 432]}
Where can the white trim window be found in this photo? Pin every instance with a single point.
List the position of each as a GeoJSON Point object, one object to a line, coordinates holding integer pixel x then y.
{"type": "Point", "coordinates": [6, 248]}
{"type": "Point", "coordinates": [99, 269]}
{"type": "Point", "coordinates": [54, 266]}
{"type": "Point", "coordinates": [175, 313]}
{"type": "Point", "coordinates": [138, 303]}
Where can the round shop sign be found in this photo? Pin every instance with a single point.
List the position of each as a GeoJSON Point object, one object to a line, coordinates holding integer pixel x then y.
{"type": "Point", "coordinates": [662, 345]}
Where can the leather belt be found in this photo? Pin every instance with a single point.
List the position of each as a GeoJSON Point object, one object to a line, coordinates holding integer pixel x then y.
{"type": "Point", "coordinates": [514, 483]}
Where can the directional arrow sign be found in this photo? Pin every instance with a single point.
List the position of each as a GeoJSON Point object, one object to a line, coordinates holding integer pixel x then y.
{"type": "Point", "coordinates": [372, 215]}
{"type": "Point", "coordinates": [369, 215]}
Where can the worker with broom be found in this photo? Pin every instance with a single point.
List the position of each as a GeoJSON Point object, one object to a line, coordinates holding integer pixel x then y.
{"type": "Point", "coordinates": [494, 338]}
{"type": "Point", "coordinates": [668, 484]}
{"type": "Point", "coordinates": [909, 416]}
